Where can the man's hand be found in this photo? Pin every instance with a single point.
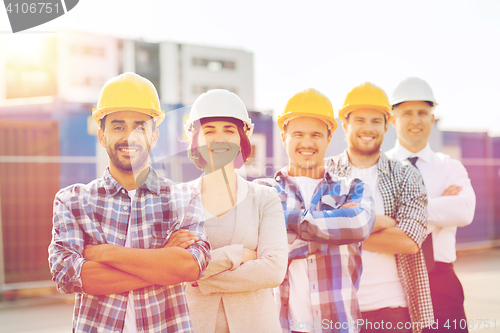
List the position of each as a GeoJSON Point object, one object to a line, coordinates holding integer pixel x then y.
{"type": "Point", "coordinates": [383, 222]}
{"type": "Point", "coordinates": [182, 238]}
{"type": "Point", "coordinates": [248, 255]}
{"type": "Point", "coordinates": [349, 205]}
{"type": "Point", "coordinates": [452, 190]}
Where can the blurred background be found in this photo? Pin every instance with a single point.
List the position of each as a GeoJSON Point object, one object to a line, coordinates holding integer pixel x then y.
{"type": "Point", "coordinates": [265, 52]}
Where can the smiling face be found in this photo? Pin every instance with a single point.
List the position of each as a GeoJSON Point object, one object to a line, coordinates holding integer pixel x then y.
{"type": "Point", "coordinates": [365, 130]}
{"type": "Point", "coordinates": [128, 136]}
{"type": "Point", "coordinates": [219, 143]}
{"type": "Point", "coordinates": [413, 122]}
{"type": "Point", "coordinates": [306, 140]}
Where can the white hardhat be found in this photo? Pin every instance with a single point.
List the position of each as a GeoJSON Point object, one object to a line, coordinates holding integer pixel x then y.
{"type": "Point", "coordinates": [412, 89]}
{"type": "Point", "coordinates": [218, 103]}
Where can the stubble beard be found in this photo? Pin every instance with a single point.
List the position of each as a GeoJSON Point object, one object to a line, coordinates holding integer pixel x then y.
{"type": "Point", "coordinates": [367, 152]}
{"type": "Point", "coordinates": [310, 167]}
{"type": "Point", "coordinates": [126, 165]}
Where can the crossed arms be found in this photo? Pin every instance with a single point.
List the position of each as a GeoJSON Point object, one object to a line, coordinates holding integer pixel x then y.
{"type": "Point", "coordinates": [346, 216]}
{"type": "Point", "coordinates": [112, 269]}
{"type": "Point", "coordinates": [108, 269]}
{"type": "Point", "coordinates": [404, 233]}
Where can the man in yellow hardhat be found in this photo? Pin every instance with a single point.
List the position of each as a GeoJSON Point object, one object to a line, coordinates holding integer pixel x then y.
{"type": "Point", "coordinates": [327, 218]}
{"type": "Point", "coordinates": [394, 292]}
{"type": "Point", "coordinates": [451, 197]}
{"type": "Point", "coordinates": [111, 241]}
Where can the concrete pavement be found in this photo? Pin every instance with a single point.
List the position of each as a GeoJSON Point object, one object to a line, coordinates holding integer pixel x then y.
{"type": "Point", "coordinates": [479, 272]}
{"type": "Point", "coordinates": [44, 314]}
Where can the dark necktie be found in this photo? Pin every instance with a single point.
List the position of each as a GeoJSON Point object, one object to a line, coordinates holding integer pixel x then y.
{"type": "Point", "coordinates": [427, 247]}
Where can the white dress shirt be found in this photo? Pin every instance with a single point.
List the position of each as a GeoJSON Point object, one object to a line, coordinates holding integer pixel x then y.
{"type": "Point", "coordinates": [445, 213]}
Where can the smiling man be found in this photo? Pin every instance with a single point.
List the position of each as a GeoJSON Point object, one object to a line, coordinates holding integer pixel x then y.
{"type": "Point", "coordinates": [327, 218]}
{"type": "Point", "coordinates": [111, 241]}
{"type": "Point", "coordinates": [451, 197]}
{"type": "Point", "coordinates": [394, 292]}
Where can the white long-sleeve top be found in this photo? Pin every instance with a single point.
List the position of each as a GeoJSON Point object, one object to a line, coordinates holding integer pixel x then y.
{"type": "Point", "coordinates": [445, 213]}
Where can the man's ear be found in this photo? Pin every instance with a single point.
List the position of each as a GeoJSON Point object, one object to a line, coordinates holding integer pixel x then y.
{"type": "Point", "coordinates": [344, 125]}
{"type": "Point", "coordinates": [283, 138]}
{"type": "Point", "coordinates": [154, 138]}
{"type": "Point", "coordinates": [393, 121]}
{"type": "Point", "coordinates": [102, 138]}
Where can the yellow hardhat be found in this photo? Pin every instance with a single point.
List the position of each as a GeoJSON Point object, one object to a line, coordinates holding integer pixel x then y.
{"type": "Point", "coordinates": [309, 103]}
{"type": "Point", "coordinates": [366, 96]}
{"type": "Point", "coordinates": [129, 92]}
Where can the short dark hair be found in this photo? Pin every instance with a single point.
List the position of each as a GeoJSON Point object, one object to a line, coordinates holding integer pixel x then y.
{"type": "Point", "coordinates": [103, 122]}
{"type": "Point", "coordinates": [195, 155]}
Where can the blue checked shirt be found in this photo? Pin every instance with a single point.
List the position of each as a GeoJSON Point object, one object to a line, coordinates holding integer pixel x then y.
{"type": "Point", "coordinates": [405, 200]}
{"type": "Point", "coordinates": [99, 213]}
{"type": "Point", "coordinates": [333, 249]}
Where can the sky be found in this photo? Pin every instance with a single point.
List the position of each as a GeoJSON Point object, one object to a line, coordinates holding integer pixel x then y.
{"type": "Point", "coordinates": [329, 45]}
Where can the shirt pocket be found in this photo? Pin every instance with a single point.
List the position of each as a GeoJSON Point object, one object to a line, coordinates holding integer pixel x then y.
{"type": "Point", "coordinates": [159, 232]}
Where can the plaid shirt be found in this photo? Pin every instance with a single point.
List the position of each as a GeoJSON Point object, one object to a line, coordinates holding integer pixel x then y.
{"type": "Point", "coordinates": [405, 200]}
{"type": "Point", "coordinates": [333, 250]}
{"type": "Point", "coordinates": [98, 213]}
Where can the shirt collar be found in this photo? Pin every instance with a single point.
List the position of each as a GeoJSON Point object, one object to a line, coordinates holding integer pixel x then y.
{"type": "Point", "coordinates": [383, 164]}
{"type": "Point", "coordinates": [401, 153]}
{"type": "Point", "coordinates": [282, 174]}
{"type": "Point", "coordinates": [345, 164]}
{"type": "Point", "coordinates": [112, 186]}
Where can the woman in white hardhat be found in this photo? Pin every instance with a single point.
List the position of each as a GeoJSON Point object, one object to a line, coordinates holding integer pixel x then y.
{"type": "Point", "coordinates": [219, 105]}
{"type": "Point", "coordinates": [244, 223]}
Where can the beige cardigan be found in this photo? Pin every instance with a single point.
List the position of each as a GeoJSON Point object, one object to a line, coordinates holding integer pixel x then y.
{"type": "Point", "coordinates": [245, 290]}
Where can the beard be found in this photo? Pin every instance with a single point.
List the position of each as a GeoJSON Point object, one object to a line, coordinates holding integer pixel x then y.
{"type": "Point", "coordinates": [366, 151]}
{"type": "Point", "coordinates": [127, 164]}
{"type": "Point", "coordinates": [374, 149]}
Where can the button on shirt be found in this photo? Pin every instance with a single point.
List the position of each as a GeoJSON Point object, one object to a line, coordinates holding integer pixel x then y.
{"type": "Point", "coordinates": [445, 213]}
{"type": "Point", "coordinates": [99, 213]}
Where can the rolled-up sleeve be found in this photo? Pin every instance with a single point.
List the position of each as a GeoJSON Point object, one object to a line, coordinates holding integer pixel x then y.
{"type": "Point", "coordinates": [189, 208]}
{"type": "Point", "coordinates": [66, 249]}
{"type": "Point", "coordinates": [200, 251]}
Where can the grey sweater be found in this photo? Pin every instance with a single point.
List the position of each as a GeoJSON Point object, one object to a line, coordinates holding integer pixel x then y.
{"type": "Point", "coordinates": [256, 222]}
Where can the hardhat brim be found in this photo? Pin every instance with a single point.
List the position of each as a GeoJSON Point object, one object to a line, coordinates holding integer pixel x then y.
{"type": "Point", "coordinates": [328, 120]}
{"type": "Point", "coordinates": [402, 100]}
{"type": "Point", "coordinates": [189, 129]}
{"type": "Point", "coordinates": [348, 109]}
{"type": "Point", "coordinates": [98, 114]}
